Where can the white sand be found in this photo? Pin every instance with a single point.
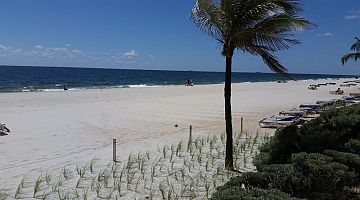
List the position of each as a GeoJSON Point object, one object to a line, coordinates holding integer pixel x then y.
{"type": "Point", "coordinates": [53, 129]}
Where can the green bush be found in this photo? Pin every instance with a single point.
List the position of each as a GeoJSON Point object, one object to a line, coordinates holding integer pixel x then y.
{"type": "Point", "coordinates": [321, 177]}
{"type": "Point", "coordinates": [348, 159]}
{"type": "Point", "coordinates": [353, 146]}
{"type": "Point", "coordinates": [313, 176]}
{"type": "Point", "coordinates": [320, 160]}
{"type": "Point", "coordinates": [238, 193]}
{"type": "Point", "coordinates": [280, 177]}
{"type": "Point", "coordinates": [335, 129]}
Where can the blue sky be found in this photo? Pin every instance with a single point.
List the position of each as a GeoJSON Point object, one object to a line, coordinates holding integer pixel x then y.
{"type": "Point", "coordinates": [157, 34]}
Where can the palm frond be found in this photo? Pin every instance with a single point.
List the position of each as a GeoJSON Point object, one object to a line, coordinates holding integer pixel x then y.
{"type": "Point", "coordinates": [356, 45]}
{"type": "Point", "coordinates": [260, 27]}
{"type": "Point", "coordinates": [271, 61]}
{"type": "Point", "coordinates": [292, 7]}
{"type": "Point", "coordinates": [208, 17]}
{"type": "Point", "coordinates": [257, 11]}
{"type": "Point", "coordinates": [350, 56]}
{"type": "Point", "coordinates": [283, 22]}
{"type": "Point", "coordinates": [274, 32]}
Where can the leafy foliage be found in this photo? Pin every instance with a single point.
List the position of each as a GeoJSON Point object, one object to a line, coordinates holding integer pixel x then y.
{"type": "Point", "coordinates": [335, 129]}
{"type": "Point", "coordinates": [238, 193]}
{"type": "Point", "coordinates": [319, 160]}
{"type": "Point", "coordinates": [354, 55]}
{"type": "Point", "coordinates": [353, 146]}
{"type": "Point", "coordinates": [257, 27]}
{"type": "Point", "coordinates": [321, 177]}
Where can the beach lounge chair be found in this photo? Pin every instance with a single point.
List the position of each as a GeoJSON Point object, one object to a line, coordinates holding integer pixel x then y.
{"type": "Point", "coordinates": [310, 108]}
{"type": "Point", "coordinates": [348, 85]}
{"type": "Point", "coordinates": [337, 92]}
{"type": "Point", "coordinates": [325, 104]}
{"type": "Point", "coordinates": [312, 87]}
{"type": "Point", "coordinates": [351, 99]}
{"type": "Point", "coordinates": [277, 121]}
{"type": "Point", "coordinates": [355, 94]}
{"type": "Point", "coordinates": [293, 112]}
{"type": "Point", "coordinates": [322, 84]}
{"type": "Point", "coordinates": [4, 129]}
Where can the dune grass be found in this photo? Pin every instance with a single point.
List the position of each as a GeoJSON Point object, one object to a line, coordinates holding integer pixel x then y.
{"type": "Point", "coordinates": [186, 170]}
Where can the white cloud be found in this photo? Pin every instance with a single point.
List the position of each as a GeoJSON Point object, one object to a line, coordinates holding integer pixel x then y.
{"type": "Point", "coordinates": [3, 47]}
{"type": "Point", "coordinates": [59, 49]}
{"type": "Point", "coordinates": [68, 53]}
{"type": "Point", "coordinates": [38, 46]}
{"type": "Point", "coordinates": [77, 51]}
{"type": "Point", "coordinates": [352, 15]}
{"type": "Point", "coordinates": [327, 34]}
{"type": "Point", "coordinates": [130, 54]}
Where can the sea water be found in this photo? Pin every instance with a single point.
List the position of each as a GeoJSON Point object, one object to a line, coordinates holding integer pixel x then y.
{"type": "Point", "coordinates": [47, 79]}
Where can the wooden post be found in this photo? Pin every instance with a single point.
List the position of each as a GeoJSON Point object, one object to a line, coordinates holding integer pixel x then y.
{"type": "Point", "coordinates": [114, 150]}
{"type": "Point", "coordinates": [241, 125]}
{"type": "Point", "coordinates": [190, 131]}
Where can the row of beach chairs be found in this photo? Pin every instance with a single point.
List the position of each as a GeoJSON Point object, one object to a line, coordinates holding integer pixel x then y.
{"type": "Point", "coordinates": [350, 83]}
{"type": "Point", "coordinates": [314, 87]}
{"type": "Point", "coordinates": [306, 112]}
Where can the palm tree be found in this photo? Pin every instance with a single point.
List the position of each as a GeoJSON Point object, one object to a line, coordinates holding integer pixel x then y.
{"type": "Point", "coordinates": [258, 27]}
{"type": "Point", "coordinates": [355, 55]}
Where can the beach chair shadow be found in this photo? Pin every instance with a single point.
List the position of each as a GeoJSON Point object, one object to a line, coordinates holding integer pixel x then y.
{"type": "Point", "coordinates": [3, 134]}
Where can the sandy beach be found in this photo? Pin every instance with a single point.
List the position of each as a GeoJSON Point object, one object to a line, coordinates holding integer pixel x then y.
{"type": "Point", "coordinates": [52, 129]}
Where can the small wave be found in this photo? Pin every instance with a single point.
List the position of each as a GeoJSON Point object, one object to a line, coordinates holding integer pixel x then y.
{"type": "Point", "coordinates": [60, 90]}
{"type": "Point", "coordinates": [141, 86]}
{"type": "Point", "coordinates": [50, 90]}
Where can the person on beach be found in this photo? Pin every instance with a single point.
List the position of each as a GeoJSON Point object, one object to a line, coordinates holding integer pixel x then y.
{"type": "Point", "coordinates": [312, 87]}
{"type": "Point", "coordinates": [65, 88]}
{"type": "Point", "coordinates": [339, 91]}
{"type": "Point", "coordinates": [189, 82]}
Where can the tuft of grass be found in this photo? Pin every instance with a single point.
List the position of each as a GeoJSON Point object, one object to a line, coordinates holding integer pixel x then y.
{"type": "Point", "coordinates": [66, 173]}
{"type": "Point", "coordinates": [37, 186]}
{"type": "Point", "coordinates": [4, 194]}
{"type": "Point", "coordinates": [178, 171]}
{"type": "Point", "coordinates": [47, 178]}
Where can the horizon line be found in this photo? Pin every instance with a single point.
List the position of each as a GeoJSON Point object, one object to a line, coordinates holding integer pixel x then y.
{"type": "Point", "coordinates": [107, 68]}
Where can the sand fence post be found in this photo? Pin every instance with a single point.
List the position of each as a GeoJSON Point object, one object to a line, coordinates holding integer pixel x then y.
{"type": "Point", "coordinates": [189, 139]}
{"type": "Point", "coordinates": [241, 125]}
{"type": "Point", "coordinates": [114, 150]}
{"type": "Point", "coordinates": [190, 131]}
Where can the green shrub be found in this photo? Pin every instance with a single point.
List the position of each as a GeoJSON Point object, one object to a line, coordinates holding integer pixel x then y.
{"type": "Point", "coordinates": [335, 129]}
{"type": "Point", "coordinates": [321, 177]}
{"type": "Point", "coordinates": [348, 159]}
{"type": "Point", "coordinates": [353, 146]}
{"type": "Point", "coordinates": [238, 193]}
{"type": "Point", "coordinates": [320, 160]}
{"type": "Point", "coordinates": [261, 160]}
{"type": "Point", "coordinates": [280, 177]}
{"type": "Point", "coordinates": [288, 138]}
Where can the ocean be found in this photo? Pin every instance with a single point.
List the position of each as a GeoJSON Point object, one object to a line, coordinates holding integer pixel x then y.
{"type": "Point", "coordinates": [32, 79]}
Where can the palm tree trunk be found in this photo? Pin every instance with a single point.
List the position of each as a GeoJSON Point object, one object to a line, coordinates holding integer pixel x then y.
{"type": "Point", "coordinates": [229, 163]}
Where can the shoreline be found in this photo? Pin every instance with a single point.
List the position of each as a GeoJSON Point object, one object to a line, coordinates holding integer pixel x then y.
{"type": "Point", "coordinates": [54, 129]}
{"type": "Point", "coordinates": [58, 87]}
